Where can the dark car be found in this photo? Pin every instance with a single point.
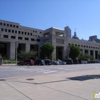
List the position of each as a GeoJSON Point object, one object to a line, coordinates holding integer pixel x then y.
{"type": "Point", "coordinates": [69, 61]}
{"type": "Point", "coordinates": [26, 62]}
{"type": "Point", "coordinates": [48, 61]}
{"type": "Point", "coordinates": [75, 61]}
{"type": "Point", "coordinates": [39, 62]}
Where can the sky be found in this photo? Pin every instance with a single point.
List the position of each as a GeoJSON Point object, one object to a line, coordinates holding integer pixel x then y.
{"type": "Point", "coordinates": [82, 15]}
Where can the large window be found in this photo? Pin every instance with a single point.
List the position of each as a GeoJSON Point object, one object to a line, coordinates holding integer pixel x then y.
{"type": "Point", "coordinates": [26, 38]}
{"type": "Point", "coordinates": [5, 36]}
{"type": "Point", "coordinates": [13, 37]}
{"type": "Point", "coordinates": [20, 38]}
{"type": "Point", "coordinates": [2, 29]}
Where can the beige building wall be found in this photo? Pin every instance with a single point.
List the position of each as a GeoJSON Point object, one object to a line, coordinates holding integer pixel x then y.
{"type": "Point", "coordinates": [11, 32]}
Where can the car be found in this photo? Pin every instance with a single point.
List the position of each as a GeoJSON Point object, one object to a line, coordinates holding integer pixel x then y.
{"type": "Point", "coordinates": [48, 61]}
{"type": "Point", "coordinates": [55, 62]}
{"type": "Point", "coordinates": [62, 63]}
{"type": "Point", "coordinates": [84, 62]}
{"type": "Point", "coordinates": [39, 62]}
{"type": "Point", "coordinates": [26, 62]}
{"type": "Point", "coordinates": [69, 61]}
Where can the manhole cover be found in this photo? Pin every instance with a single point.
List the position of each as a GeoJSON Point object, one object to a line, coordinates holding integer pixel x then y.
{"type": "Point", "coordinates": [2, 80]}
{"type": "Point", "coordinates": [29, 79]}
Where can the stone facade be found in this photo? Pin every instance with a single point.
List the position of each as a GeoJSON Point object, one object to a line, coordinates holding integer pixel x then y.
{"type": "Point", "coordinates": [32, 39]}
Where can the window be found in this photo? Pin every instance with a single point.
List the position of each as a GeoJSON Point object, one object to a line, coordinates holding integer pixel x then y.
{"type": "Point", "coordinates": [19, 32]}
{"type": "Point", "coordinates": [22, 32]}
{"type": "Point", "coordinates": [26, 38]}
{"type": "Point", "coordinates": [10, 25]}
{"type": "Point", "coordinates": [13, 25]}
{"type": "Point", "coordinates": [0, 23]}
{"type": "Point", "coordinates": [38, 40]}
{"type": "Point", "coordinates": [40, 32]}
{"type": "Point", "coordinates": [32, 39]}
{"type": "Point", "coordinates": [31, 33]}
{"type": "Point", "coordinates": [25, 33]}
{"type": "Point", "coordinates": [12, 31]}
{"type": "Point", "coordinates": [2, 29]}
{"type": "Point", "coordinates": [79, 45]}
{"type": "Point", "coordinates": [7, 24]}
{"type": "Point", "coordinates": [16, 26]}
{"type": "Point", "coordinates": [28, 33]}
{"type": "Point", "coordinates": [5, 30]}
{"type": "Point", "coordinates": [4, 24]}
{"type": "Point", "coordinates": [13, 37]}
{"type": "Point", "coordinates": [9, 30]}
{"type": "Point", "coordinates": [20, 38]}
{"type": "Point", "coordinates": [35, 31]}
{"type": "Point", "coordinates": [5, 36]}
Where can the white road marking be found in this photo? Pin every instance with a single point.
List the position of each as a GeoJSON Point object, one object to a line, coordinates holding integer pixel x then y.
{"type": "Point", "coordinates": [49, 72]}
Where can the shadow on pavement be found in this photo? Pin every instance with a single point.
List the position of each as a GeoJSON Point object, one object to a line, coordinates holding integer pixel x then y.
{"type": "Point", "coordinates": [28, 82]}
{"type": "Point", "coordinates": [84, 77]}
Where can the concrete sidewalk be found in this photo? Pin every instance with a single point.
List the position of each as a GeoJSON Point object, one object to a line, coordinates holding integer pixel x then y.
{"type": "Point", "coordinates": [60, 86]}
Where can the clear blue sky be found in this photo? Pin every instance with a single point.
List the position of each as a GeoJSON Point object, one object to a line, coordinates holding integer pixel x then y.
{"type": "Point", "coordinates": [84, 15]}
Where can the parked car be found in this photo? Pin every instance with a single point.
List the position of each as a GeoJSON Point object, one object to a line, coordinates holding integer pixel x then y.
{"type": "Point", "coordinates": [48, 61]}
{"type": "Point", "coordinates": [55, 62]}
{"type": "Point", "coordinates": [62, 63]}
{"type": "Point", "coordinates": [26, 62]}
{"type": "Point", "coordinates": [40, 62]}
{"type": "Point", "coordinates": [69, 61]}
{"type": "Point", "coordinates": [76, 61]}
{"type": "Point", "coordinates": [84, 62]}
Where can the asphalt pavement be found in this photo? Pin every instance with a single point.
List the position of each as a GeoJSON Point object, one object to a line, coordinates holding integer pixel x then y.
{"type": "Point", "coordinates": [11, 71]}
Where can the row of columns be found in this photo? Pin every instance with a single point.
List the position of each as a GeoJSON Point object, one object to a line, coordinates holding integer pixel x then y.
{"type": "Point", "coordinates": [66, 54]}
{"type": "Point", "coordinates": [12, 51]}
{"type": "Point", "coordinates": [83, 52]}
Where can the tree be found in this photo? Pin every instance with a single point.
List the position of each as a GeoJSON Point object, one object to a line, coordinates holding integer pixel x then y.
{"type": "Point", "coordinates": [74, 51]}
{"type": "Point", "coordinates": [47, 50]}
{"type": "Point", "coordinates": [26, 55]}
{"type": "Point", "coordinates": [86, 57]}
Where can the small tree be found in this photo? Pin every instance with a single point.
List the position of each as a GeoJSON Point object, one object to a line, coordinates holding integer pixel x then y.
{"type": "Point", "coordinates": [86, 57]}
{"type": "Point", "coordinates": [47, 50]}
{"type": "Point", "coordinates": [74, 51]}
{"type": "Point", "coordinates": [98, 56]}
{"type": "Point", "coordinates": [26, 55]}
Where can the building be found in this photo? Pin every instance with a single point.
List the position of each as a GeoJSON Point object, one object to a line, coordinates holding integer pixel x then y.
{"type": "Point", "coordinates": [27, 38]}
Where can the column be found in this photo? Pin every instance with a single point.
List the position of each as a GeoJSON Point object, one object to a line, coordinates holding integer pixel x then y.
{"type": "Point", "coordinates": [93, 53]}
{"type": "Point", "coordinates": [54, 54]}
{"type": "Point", "coordinates": [12, 50]}
{"type": "Point", "coordinates": [39, 51]}
{"type": "Point", "coordinates": [8, 50]}
{"type": "Point", "coordinates": [64, 52]}
{"type": "Point", "coordinates": [89, 52]}
{"type": "Point", "coordinates": [83, 51]}
{"type": "Point", "coordinates": [27, 47]}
